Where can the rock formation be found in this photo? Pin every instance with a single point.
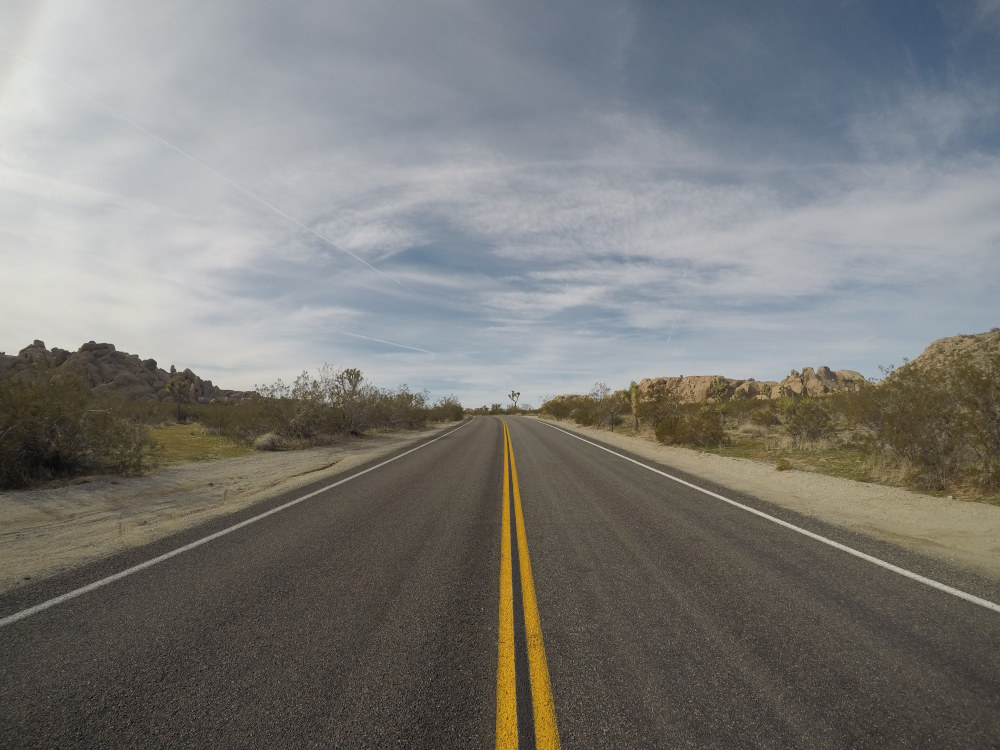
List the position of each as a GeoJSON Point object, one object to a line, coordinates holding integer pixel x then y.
{"type": "Point", "coordinates": [978, 348]}
{"type": "Point", "coordinates": [819, 382]}
{"type": "Point", "coordinates": [809, 382]}
{"type": "Point", "coordinates": [107, 370]}
{"type": "Point", "coordinates": [691, 388]}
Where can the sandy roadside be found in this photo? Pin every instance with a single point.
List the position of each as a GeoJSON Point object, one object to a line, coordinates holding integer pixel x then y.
{"type": "Point", "coordinates": [46, 531]}
{"type": "Point", "coordinates": [966, 534]}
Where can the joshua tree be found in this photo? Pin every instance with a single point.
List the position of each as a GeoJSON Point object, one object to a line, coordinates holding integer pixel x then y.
{"type": "Point", "coordinates": [179, 389]}
{"type": "Point", "coordinates": [514, 396]}
{"type": "Point", "coordinates": [633, 397]}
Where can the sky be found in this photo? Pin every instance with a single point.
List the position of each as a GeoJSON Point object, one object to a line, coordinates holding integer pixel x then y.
{"type": "Point", "coordinates": [473, 197]}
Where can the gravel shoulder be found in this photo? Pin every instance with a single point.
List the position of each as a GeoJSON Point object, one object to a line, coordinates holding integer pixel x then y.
{"type": "Point", "coordinates": [966, 534]}
{"type": "Point", "coordinates": [46, 531]}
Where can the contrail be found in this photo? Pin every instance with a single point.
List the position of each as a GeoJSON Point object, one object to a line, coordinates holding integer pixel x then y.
{"type": "Point", "coordinates": [225, 178]}
{"type": "Point", "coordinates": [387, 342]}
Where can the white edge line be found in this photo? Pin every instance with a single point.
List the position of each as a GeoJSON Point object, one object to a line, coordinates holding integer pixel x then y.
{"type": "Point", "coordinates": [10, 619]}
{"type": "Point", "coordinates": [825, 540]}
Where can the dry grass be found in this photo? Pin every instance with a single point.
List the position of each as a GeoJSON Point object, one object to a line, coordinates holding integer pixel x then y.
{"type": "Point", "coordinates": [840, 455]}
{"type": "Point", "coordinates": [189, 443]}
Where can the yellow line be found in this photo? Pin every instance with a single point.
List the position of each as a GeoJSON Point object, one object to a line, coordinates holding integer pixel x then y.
{"type": "Point", "coordinates": [506, 689]}
{"type": "Point", "coordinates": [546, 730]}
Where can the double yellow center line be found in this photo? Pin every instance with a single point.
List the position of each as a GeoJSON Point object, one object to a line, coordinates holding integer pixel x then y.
{"type": "Point", "coordinates": [542, 708]}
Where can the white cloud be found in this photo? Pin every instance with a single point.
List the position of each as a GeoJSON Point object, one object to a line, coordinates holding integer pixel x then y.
{"type": "Point", "coordinates": [925, 121]}
{"type": "Point", "coordinates": [531, 210]}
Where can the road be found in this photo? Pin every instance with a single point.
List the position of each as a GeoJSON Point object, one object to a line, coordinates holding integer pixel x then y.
{"type": "Point", "coordinates": [401, 609]}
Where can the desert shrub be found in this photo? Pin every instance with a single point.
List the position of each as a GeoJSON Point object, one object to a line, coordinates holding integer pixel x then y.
{"type": "Point", "coordinates": [51, 429]}
{"type": "Point", "coordinates": [558, 408]}
{"type": "Point", "coordinates": [401, 408]}
{"type": "Point", "coordinates": [719, 389]}
{"type": "Point", "coordinates": [300, 411]}
{"type": "Point", "coordinates": [765, 414]}
{"type": "Point", "coordinates": [338, 402]}
{"type": "Point", "coordinates": [584, 412]}
{"type": "Point", "coordinates": [705, 427]}
{"type": "Point", "coordinates": [740, 410]}
{"type": "Point", "coordinates": [607, 405]}
{"type": "Point", "coordinates": [697, 425]}
{"type": "Point", "coordinates": [122, 445]}
{"type": "Point", "coordinates": [41, 430]}
{"type": "Point", "coordinates": [806, 419]}
{"type": "Point", "coordinates": [241, 423]}
{"type": "Point", "coordinates": [941, 425]}
{"type": "Point", "coordinates": [216, 419]}
{"type": "Point", "coordinates": [652, 409]}
{"type": "Point", "coordinates": [270, 441]}
{"type": "Point", "coordinates": [578, 408]}
{"type": "Point", "coordinates": [143, 411]}
{"type": "Point", "coordinates": [916, 419]}
{"type": "Point", "coordinates": [446, 409]}
{"type": "Point", "coordinates": [669, 430]}
{"type": "Point", "coordinates": [981, 404]}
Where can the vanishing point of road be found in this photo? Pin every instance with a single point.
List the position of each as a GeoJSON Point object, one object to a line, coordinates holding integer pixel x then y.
{"type": "Point", "coordinates": [399, 607]}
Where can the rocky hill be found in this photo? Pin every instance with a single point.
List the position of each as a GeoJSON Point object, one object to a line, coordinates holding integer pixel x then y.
{"type": "Point", "coordinates": [977, 348]}
{"type": "Point", "coordinates": [107, 370]}
{"type": "Point", "coordinates": [809, 382]}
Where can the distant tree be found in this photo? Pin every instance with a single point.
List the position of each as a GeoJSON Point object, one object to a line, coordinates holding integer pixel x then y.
{"type": "Point", "coordinates": [514, 396]}
{"type": "Point", "coordinates": [633, 398]}
{"type": "Point", "coordinates": [608, 404]}
{"type": "Point", "coordinates": [616, 404]}
{"type": "Point", "coordinates": [356, 399]}
{"type": "Point", "coordinates": [600, 391]}
{"type": "Point", "coordinates": [180, 389]}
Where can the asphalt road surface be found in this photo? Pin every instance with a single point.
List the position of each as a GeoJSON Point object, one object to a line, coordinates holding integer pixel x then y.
{"type": "Point", "coordinates": [400, 609]}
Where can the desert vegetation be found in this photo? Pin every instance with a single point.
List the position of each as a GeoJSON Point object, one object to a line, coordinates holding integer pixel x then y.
{"type": "Point", "coordinates": [58, 426]}
{"type": "Point", "coordinates": [52, 428]}
{"type": "Point", "coordinates": [931, 425]}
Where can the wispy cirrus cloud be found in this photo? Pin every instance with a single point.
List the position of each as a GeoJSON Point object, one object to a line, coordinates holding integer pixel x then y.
{"type": "Point", "coordinates": [464, 196]}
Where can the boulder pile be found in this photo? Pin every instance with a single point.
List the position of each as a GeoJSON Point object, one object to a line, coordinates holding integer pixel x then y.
{"type": "Point", "coordinates": [107, 370]}
{"type": "Point", "coordinates": [809, 382]}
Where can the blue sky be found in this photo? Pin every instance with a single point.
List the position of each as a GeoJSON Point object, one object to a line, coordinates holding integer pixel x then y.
{"type": "Point", "coordinates": [471, 197]}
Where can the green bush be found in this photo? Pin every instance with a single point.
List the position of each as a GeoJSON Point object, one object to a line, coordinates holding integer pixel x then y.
{"type": "Point", "coordinates": [652, 409]}
{"type": "Point", "coordinates": [51, 429]}
{"type": "Point", "coordinates": [269, 441]}
{"type": "Point", "coordinates": [583, 410]}
{"type": "Point", "coordinates": [584, 414]}
{"type": "Point", "coordinates": [806, 419]}
{"type": "Point", "coordinates": [242, 423]}
{"type": "Point", "coordinates": [558, 408]}
{"type": "Point", "coordinates": [719, 389]}
{"type": "Point", "coordinates": [941, 425]}
{"type": "Point", "coordinates": [697, 425]}
{"type": "Point", "coordinates": [447, 409]}
{"type": "Point", "coordinates": [765, 414]}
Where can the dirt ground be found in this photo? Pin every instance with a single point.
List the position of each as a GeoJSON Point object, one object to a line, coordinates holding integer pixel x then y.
{"type": "Point", "coordinates": [45, 531]}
